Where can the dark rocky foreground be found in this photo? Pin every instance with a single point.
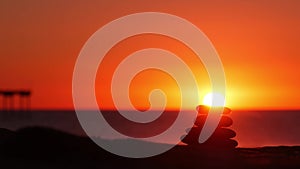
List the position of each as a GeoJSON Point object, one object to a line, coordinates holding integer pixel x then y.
{"type": "Point", "coordinates": [37, 147]}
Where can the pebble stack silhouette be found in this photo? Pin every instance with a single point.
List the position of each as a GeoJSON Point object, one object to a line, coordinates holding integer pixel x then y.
{"type": "Point", "coordinates": [220, 139]}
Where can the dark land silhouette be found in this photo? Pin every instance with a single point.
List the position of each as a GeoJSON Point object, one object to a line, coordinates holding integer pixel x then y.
{"type": "Point", "coordinates": [41, 147]}
{"type": "Point", "coordinates": [37, 147]}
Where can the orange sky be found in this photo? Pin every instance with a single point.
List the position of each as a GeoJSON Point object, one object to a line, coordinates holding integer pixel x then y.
{"type": "Point", "coordinates": [256, 40]}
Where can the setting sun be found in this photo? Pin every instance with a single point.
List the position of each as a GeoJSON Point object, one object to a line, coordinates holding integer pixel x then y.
{"type": "Point", "coordinates": [214, 99]}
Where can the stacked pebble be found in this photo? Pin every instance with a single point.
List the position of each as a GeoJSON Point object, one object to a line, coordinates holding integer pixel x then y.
{"type": "Point", "coordinates": [220, 139]}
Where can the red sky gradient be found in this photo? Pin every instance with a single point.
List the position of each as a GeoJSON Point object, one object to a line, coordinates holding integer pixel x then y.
{"type": "Point", "coordinates": [258, 42]}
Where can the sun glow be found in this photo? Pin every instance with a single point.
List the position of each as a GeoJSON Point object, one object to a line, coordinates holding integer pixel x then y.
{"type": "Point", "coordinates": [214, 99]}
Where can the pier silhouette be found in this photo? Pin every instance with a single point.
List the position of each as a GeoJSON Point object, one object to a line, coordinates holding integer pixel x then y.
{"type": "Point", "coordinates": [9, 97]}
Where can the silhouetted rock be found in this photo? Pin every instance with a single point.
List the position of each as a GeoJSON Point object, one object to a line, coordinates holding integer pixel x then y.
{"type": "Point", "coordinates": [222, 136]}
{"type": "Point", "coordinates": [202, 109]}
{"type": "Point", "coordinates": [225, 121]}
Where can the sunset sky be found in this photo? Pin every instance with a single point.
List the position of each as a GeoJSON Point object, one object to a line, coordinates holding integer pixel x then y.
{"type": "Point", "coordinates": [257, 41]}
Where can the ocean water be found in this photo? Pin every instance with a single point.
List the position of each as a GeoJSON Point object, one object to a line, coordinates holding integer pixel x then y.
{"type": "Point", "coordinates": [253, 128]}
{"type": "Point", "coordinates": [267, 127]}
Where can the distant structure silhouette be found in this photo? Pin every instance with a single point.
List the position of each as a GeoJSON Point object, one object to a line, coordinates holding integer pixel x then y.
{"type": "Point", "coordinates": [8, 99]}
